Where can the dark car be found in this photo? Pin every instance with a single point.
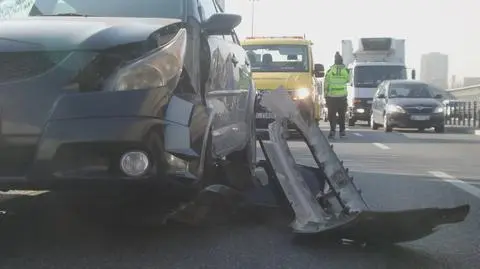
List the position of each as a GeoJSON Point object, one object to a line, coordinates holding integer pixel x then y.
{"type": "Point", "coordinates": [454, 109]}
{"type": "Point", "coordinates": [148, 92]}
{"type": "Point", "coordinates": [407, 104]}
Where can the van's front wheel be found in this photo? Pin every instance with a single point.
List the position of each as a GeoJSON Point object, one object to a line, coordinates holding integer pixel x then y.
{"type": "Point", "coordinates": [240, 169]}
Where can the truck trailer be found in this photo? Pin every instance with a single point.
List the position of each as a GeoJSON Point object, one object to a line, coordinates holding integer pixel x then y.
{"type": "Point", "coordinates": [371, 62]}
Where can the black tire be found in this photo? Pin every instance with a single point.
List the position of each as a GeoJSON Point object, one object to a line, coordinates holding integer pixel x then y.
{"type": "Point", "coordinates": [211, 173]}
{"type": "Point", "coordinates": [421, 130]}
{"type": "Point", "coordinates": [351, 122]}
{"type": "Point", "coordinates": [373, 125]}
{"type": "Point", "coordinates": [440, 129]}
{"type": "Point", "coordinates": [387, 128]}
{"type": "Point", "coordinates": [242, 164]}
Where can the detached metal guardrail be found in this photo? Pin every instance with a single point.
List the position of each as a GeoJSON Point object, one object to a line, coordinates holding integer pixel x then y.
{"type": "Point", "coordinates": [465, 111]}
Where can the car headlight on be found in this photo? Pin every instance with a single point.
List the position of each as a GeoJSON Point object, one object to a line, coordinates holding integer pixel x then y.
{"type": "Point", "coordinates": [302, 93]}
{"type": "Point", "coordinates": [439, 109]}
{"type": "Point", "coordinates": [391, 108]}
{"type": "Point", "coordinates": [158, 69]}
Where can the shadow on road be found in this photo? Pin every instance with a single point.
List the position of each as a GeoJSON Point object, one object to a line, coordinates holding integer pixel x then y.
{"type": "Point", "coordinates": [42, 230]}
{"type": "Point", "coordinates": [393, 256]}
{"type": "Point", "coordinates": [443, 141]}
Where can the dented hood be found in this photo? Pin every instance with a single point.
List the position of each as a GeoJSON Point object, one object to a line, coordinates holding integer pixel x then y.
{"type": "Point", "coordinates": [291, 81]}
{"type": "Point", "coordinates": [75, 33]}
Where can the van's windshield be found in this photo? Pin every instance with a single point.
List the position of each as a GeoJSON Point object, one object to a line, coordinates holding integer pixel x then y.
{"type": "Point", "coordinates": [278, 58]}
{"type": "Point", "coordinates": [370, 76]}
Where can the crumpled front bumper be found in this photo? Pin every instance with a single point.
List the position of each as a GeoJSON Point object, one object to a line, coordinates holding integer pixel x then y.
{"type": "Point", "coordinates": [79, 150]}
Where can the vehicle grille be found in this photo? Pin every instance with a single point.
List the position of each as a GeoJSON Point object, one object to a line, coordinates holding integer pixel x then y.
{"type": "Point", "coordinates": [419, 110]}
{"type": "Point", "coordinates": [22, 65]}
{"type": "Point", "coordinates": [260, 108]}
{"type": "Point", "coordinates": [290, 92]}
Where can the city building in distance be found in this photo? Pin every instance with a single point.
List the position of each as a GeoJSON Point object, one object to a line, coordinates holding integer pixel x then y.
{"type": "Point", "coordinates": [434, 69]}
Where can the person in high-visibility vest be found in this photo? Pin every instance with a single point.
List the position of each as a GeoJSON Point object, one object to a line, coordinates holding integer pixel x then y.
{"type": "Point", "coordinates": [336, 80]}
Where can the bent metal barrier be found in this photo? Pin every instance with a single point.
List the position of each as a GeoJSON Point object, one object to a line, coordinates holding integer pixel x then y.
{"type": "Point", "coordinates": [338, 208]}
{"type": "Point", "coordinates": [323, 197]}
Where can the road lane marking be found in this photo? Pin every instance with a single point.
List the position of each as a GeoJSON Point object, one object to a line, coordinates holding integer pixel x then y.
{"type": "Point", "coordinates": [380, 145]}
{"type": "Point", "coordinates": [357, 134]}
{"type": "Point", "coordinates": [26, 193]}
{"type": "Point", "coordinates": [457, 183]}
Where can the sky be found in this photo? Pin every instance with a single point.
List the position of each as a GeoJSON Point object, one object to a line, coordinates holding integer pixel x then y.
{"type": "Point", "coordinates": [446, 26]}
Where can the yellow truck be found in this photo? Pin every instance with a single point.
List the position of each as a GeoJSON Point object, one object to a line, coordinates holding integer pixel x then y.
{"type": "Point", "coordinates": [285, 62]}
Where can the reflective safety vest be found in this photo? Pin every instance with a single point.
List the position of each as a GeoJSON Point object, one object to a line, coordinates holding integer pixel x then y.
{"type": "Point", "coordinates": [336, 78]}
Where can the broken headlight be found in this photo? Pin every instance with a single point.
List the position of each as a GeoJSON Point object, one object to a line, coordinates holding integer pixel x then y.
{"type": "Point", "coordinates": [157, 69]}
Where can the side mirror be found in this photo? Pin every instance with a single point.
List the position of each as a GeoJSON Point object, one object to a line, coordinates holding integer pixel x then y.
{"type": "Point", "coordinates": [319, 70]}
{"type": "Point", "coordinates": [221, 23]}
{"type": "Point", "coordinates": [381, 96]}
{"type": "Point", "coordinates": [438, 96]}
{"type": "Point", "coordinates": [414, 74]}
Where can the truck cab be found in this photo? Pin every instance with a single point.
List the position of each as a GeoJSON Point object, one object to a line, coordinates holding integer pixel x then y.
{"type": "Point", "coordinates": [373, 61]}
{"type": "Point", "coordinates": [285, 62]}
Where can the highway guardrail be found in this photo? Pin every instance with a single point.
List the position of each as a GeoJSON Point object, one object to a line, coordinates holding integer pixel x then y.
{"type": "Point", "coordinates": [463, 113]}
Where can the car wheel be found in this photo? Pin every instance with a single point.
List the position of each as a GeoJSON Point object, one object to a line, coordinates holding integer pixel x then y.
{"type": "Point", "coordinates": [241, 165]}
{"type": "Point", "coordinates": [373, 125]}
{"type": "Point", "coordinates": [307, 115]}
{"type": "Point", "coordinates": [440, 129]}
{"type": "Point", "coordinates": [387, 128]}
{"type": "Point", "coordinates": [351, 122]}
{"type": "Point", "coordinates": [421, 130]}
{"type": "Point", "coordinates": [210, 175]}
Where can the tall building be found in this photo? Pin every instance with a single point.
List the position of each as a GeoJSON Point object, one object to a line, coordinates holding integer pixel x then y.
{"type": "Point", "coordinates": [434, 69]}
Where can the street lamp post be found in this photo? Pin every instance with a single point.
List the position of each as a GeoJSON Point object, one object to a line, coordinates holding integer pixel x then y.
{"type": "Point", "coordinates": [253, 13]}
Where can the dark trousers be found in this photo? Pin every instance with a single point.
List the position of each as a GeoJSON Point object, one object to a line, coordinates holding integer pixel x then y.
{"type": "Point", "coordinates": [336, 105]}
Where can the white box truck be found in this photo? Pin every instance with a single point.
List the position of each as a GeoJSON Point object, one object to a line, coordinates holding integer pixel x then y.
{"type": "Point", "coordinates": [371, 62]}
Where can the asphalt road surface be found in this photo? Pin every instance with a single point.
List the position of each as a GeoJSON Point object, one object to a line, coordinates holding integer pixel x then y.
{"type": "Point", "coordinates": [399, 170]}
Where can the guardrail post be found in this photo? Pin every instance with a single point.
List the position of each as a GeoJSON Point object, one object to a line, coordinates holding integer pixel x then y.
{"type": "Point", "coordinates": [476, 115]}
{"type": "Point", "coordinates": [469, 121]}
{"type": "Point", "coordinates": [454, 113]}
{"type": "Point", "coordinates": [446, 114]}
{"type": "Point", "coordinates": [460, 114]}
